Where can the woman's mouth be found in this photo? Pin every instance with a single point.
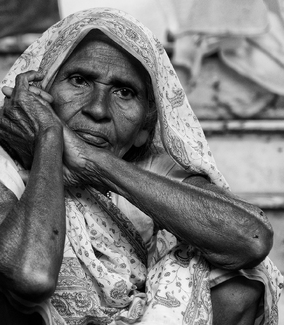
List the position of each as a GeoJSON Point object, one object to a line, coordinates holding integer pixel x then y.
{"type": "Point", "coordinates": [93, 137]}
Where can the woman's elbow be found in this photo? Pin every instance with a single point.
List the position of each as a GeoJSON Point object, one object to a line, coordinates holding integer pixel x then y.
{"type": "Point", "coordinates": [251, 251]}
{"type": "Point", "coordinates": [35, 286]}
{"type": "Point", "coordinates": [260, 246]}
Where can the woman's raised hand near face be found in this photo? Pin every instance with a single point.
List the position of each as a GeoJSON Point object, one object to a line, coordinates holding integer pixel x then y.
{"type": "Point", "coordinates": [27, 114]}
{"type": "Point", "coordinates": [76, 155]}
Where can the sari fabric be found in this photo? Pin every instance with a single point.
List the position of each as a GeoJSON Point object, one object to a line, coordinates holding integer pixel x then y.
{"type": "Point", "coordinates": [104, 271]}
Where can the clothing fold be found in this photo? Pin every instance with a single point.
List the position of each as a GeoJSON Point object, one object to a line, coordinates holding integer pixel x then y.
{"type": "Point", "coordinates": [117, 268]}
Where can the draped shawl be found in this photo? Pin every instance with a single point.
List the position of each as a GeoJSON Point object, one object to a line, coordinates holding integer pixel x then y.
{"type": "Point", "coordinates": [104, 269]}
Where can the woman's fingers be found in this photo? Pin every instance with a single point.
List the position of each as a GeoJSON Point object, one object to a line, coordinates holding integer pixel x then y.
{"type": "Point", "coordinates": [24, 79]}
{"type": "Point", "coordinates": [43, 94]}
{"type": "Point", "coordinates": [7, 91]}
{"type": "Point", "coordinates": [9, 128]}
{"type": "Point", "coordinates": [69, 178]}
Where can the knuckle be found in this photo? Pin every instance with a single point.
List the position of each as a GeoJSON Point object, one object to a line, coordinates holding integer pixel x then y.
{"type": "Point", "coordinates": [23, 77]}
{"type": "Point", "coordinates": [20, 77]}
{"type": "Point", "coordinates": [20, 99]}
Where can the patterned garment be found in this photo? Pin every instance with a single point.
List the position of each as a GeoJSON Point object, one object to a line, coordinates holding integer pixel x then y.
{"type": "Point", "coordinates": [103, 275]}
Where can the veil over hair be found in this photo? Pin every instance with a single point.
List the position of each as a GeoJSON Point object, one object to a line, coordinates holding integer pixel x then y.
{"type": "Point", "coordinates": [179, 129]}
{"type": "Point", "coordinates": [114, 267]}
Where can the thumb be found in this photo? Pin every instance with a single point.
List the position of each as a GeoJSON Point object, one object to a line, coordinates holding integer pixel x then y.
{"type": "Point", "coordinates": [7, 91]}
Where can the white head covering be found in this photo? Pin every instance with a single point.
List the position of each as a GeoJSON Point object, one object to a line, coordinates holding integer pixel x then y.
{"type": "Point", "coordinates": [181, 133]}
{"type": "Point", "coordinates": [118, 270]}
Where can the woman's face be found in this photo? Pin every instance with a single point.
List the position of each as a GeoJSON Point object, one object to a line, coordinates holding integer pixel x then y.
{"type": "Point", "coordinates": [100, 93]}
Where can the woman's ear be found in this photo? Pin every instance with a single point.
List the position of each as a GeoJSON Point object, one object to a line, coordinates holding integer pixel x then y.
{"type": "Point", "coordinates": [141, 138]}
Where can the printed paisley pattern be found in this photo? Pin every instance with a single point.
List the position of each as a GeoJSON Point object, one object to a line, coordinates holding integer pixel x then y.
{"type": "Point", "coordinates": [104, 264]}
{"type": "Point", "coordinates": [101, 272]}
{"type": "Point", "coordinates": [180, 128]}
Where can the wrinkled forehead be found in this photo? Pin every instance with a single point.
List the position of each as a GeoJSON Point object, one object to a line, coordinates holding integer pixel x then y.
{"type": "Point", "coordinates": [96, 36]}
{"type": "Point", "coordinates": [91, 44]}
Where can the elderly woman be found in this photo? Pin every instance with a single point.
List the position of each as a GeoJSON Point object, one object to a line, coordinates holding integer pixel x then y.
{"type": "Point", "coordinates": [86, 199]}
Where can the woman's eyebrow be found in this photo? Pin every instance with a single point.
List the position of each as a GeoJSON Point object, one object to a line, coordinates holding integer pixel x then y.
{"type": "Point", "coordinates": [121, 81]}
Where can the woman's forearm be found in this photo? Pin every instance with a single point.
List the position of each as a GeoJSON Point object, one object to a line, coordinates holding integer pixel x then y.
{"type": "Point", "coordinates": [32, 230]}
{"type": "Point", "coordinates": [231, 233]}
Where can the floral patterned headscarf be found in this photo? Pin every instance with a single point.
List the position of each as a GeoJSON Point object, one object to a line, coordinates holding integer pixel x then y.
{"type": "Point", "coordinates": [180, 131]}
{"type": "Point", "coordinates": [100, 260]}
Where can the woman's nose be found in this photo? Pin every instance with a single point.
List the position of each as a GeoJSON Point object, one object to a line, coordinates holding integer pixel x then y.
{"type": "Point", "coordinates": [98, 104]}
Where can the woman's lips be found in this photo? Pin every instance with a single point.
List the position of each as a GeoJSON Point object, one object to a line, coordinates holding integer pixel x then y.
{"type": "Point", "coordinates": [94, 138]}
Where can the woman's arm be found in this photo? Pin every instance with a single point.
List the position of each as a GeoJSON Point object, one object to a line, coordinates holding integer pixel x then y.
{"type": "Point", "coordinates": [229, 232]}
{"type": "Point", "coordinates": [32, 229]}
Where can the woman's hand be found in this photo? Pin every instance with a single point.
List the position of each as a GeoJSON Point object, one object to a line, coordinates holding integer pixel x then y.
{"type": "Point", "coordinates": [27, 114]}
{"type": "Point", "coordinates": [21, 136]}
{"type": "Point", "coordinates": [81, 161]}
{"type": "Point", "coordinates": [74, 157]}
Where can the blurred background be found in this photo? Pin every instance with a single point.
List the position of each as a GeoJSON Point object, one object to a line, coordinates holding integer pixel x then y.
{"type": "Point", "coordinates": [229, 56]}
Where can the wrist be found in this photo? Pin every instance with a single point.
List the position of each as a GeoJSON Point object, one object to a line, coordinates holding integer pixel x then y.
{"type": "Point", "coordinates": [49, 148]}
{"type": "Point", "coordinates": [51, 137]}
{"type": "Point", "coordinates": [100, 167]}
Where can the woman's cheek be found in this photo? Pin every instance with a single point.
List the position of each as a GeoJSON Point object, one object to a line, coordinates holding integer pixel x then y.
{"type": "Point", "coordinates": [62, 103]}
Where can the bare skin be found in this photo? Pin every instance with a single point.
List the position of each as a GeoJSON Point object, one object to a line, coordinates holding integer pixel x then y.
{"type": "Point", "coordinates": [241, 235]}
{"type": "Point", "coordinates": [98, 118]}
{"type": "Point", "coordinates": [31, 232]}
{"type": "Point", "coordinates": [236, 301]}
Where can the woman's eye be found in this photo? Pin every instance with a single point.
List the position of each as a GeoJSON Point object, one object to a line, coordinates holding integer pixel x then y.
{"type": "Point", "coordinates": [125, 93]}
{"type": "Point", "coordinates": [78, 81]}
